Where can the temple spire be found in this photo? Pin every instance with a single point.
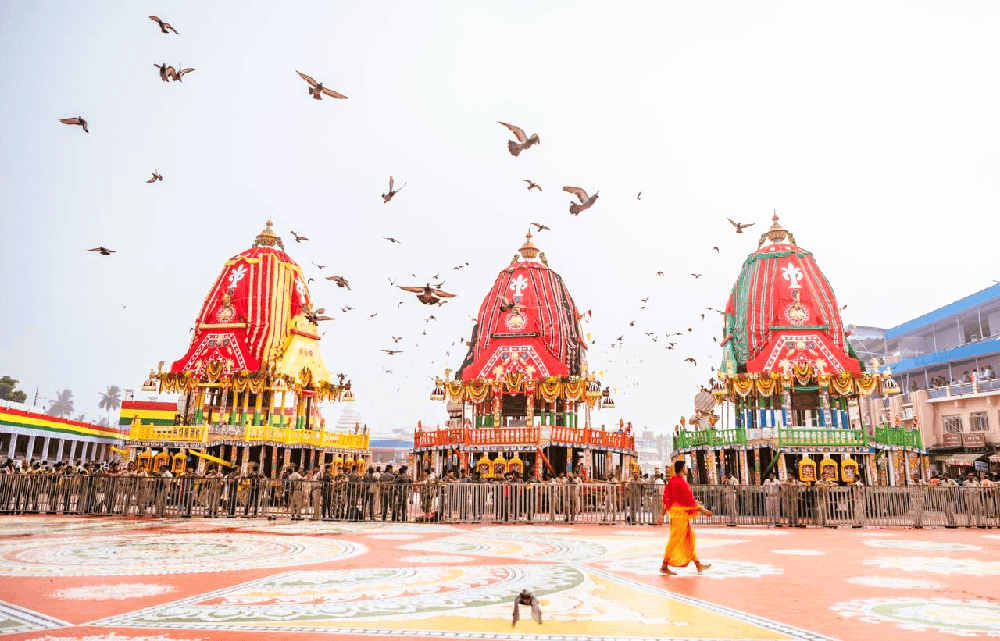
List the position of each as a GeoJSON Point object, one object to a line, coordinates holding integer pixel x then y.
{"type": "Point", "coordinates": [268, 238]}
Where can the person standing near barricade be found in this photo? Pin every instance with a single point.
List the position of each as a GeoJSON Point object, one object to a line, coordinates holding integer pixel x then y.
{"type": "Point", "coordinates": [572, 496]}
{"type": "Point", "coordinates": [368, 485]}
{"type": "Point", "coordinates": [425, 493]}
{"type": "Point", "coordinates": [212, 490]}
{"type": "Point", "coordinates": [387, 490]}
{"type": "Point", "coordinates": [658, 484]}
{"type": "Point", "coordinates": [339, 494]}
{"type": "Point", "coordinates": [294, 484]}
{"type": "Point", "coordinates": [772, 489]}
{"type": "Point", "coordinates": [232, 491]}
{"type": "Point", "coordinates": [326, 493]}
{"type": "Point", "coordinates": [254, 479]}
{"type": "Point", "coordinates": [315, 479]}
{"type": "Point", "coordinates": [355, 495]}
{"type": "Point", "coordinates": [403, 487]}
{"type": "Point", "coordinates": [679, 503]}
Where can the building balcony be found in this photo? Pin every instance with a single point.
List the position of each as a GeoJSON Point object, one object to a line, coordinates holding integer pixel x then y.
{"type": "Point", "coordinates": [733, 436]}
{"type": "Point", "coordinates": [896, 436]}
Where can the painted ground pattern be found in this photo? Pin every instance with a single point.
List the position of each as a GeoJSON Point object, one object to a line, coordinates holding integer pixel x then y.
{"type": "Point", "coordinates": [77, 578]}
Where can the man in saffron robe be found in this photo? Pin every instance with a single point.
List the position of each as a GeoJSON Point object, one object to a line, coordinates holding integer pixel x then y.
{"type": "Point", "coordinates": [679, 504]}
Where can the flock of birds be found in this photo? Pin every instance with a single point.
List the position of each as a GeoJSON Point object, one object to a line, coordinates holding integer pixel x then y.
{"type": "Point", "coordinates": [432, 293]}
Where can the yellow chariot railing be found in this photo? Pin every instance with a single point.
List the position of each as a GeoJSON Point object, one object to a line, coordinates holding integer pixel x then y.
{"type": "Point", "coordinates": [180, 433]}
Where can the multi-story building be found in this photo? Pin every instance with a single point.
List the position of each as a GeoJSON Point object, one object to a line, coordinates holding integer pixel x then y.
{"type": "Point", "coordinates": [945, 362]}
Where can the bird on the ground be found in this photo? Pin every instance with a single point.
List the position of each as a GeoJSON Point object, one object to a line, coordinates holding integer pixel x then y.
{"type": "Point", "coordinates": [427, 295]}
{"type": "Point", "coordinates": [164, 26]}
{"type": "Point", "coordinates": [696, 276]}
{"type": "Point", "coordinates": [392, 192]}
{"type": "Point", "coordinates": [166, 73]}
{"type": "Point", "coordinates": [691, 360]}
{"type": "Point", "coordinates": [392, 352]}
{"type": "Point", "coordinates": [392, 240]}
{"type": "Point", "coordinates": [104, 251]}
{"type": "Point", "coordinates": [739, 226]}
{"type": "Point", "coordinates": [586, 202]}
{"type": "Point", "coordinates": [320, 266]}
{"type": "Point", "coordinates": [179, 74]}
{"type": "Point", "coordinates": [78, 120]}
{"type": "Point", "coordinates": [526, 598]}
{"type": "Point", "coordinates": [540, 227]}
{"type": "Point", "coordinates": [298, 238]}
{"type": "Point", "coordinates": [523, 141]}
{"type": "Point", "coordinates": [340, 280]}
{"type": "Point", "coordinates": [715, 249]}
{"type": "Point", "coordinates": [156, 176]}
{"type": "Point", "coordinates": [532, 185]}
{"type": "Point", "coordinates": [317, 90]}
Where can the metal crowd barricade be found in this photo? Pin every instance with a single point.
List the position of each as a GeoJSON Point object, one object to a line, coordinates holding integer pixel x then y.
{"type": "Point", "coordinates": [534, 502]}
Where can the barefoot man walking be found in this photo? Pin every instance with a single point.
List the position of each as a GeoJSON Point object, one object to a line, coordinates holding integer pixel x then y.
{"type": "Point", "coordinates": [679, 504]}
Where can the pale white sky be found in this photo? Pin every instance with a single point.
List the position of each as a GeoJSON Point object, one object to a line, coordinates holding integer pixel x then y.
{"type": "Point", "coordinates": [870, 126]}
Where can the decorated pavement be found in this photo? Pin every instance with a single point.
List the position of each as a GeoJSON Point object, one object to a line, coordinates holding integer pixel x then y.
{"type": "Point", "coordinates": [130, 580]}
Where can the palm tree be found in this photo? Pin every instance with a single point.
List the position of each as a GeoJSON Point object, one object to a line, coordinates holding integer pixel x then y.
{"type": "Point", "coordinates": [63, 405]}
{"type": "Point", "coordinates": [111, 400]}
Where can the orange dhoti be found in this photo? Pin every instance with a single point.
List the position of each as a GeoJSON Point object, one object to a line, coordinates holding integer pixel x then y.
{"type": "Point", "coordinates": [680, 549]}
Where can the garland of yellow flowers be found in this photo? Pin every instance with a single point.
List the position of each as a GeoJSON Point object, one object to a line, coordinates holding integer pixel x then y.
{"type": "Point", "coordinates": [766, 384]}
{"type": "Point", "coordinates": [574, 390]}
{"type": "Point", "coordinates": [843, 383]}
{"type": "Point", "coordinates": [477, 390]}
{"type": "Point", "coordinates": [549, 389]}
{"type": "Point", "coordinates": [456, 390]}
{"type": "Point", "coordinates": [866, 383]}
{"type": "Point", "coordinates": [513, 381]}
{"type": "Point", "coordinates": [743, 385]}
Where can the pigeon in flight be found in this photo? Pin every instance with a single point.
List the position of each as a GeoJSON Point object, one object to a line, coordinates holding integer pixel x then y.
{"type": "Point", "coordinates": [392, 192]}
{"type": "Point", "coordinates": [427, 295]}
{"type": "Point", "coordinates": [317, 90]}
{"type": "Point", "coordinates": [532, 185]}
{"type": "Point", "coordinates": [739, 226]}
{"type": "Point", "coordinates": [523, 141]}
{"type": "Point", "coordinates": [156, 176]}
{"type": "Point", "coordinates": [586, 202]}
{"type": "Point", "coordinates": [392, 240]}
{"type": "Point", "coordinates": [164, 26]}
{"type": "Point", "coordinates": [75, 121]}
{"type": "Point", "coordinates": [298, 238]}
{"type": "Point", "coordinates": [104, 251]}
{"type": "Point", "coordinates": [540, 227]}
{"type": "Point", "coordinates": [392, 352]}
{"type": "Point", "coordinates": [340, 280]}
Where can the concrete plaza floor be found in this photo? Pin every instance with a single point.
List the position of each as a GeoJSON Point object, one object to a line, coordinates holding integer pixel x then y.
{"type": "Point", "coordinates": [150, 579]}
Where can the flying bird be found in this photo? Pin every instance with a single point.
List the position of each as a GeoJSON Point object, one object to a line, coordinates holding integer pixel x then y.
{"type": "Point", "coordinates": [392, 192]}
{"type": "Point", "coordinates": [644, 300]}
{"type": "Point", "coordinates": [540, 227]}
{"type": "Point", "coordinates": [843, 308]}
{"type": "Point", "coordinates": [340, 280]}
{"type": "Point", "coordinates": [75, 121]}
{"type": "Point", "coordinates": [346, 308]}
{"type": "Point", "coordinates": [392, 352]}
{"type": "Point", "coordinates": [316, 89]}
{"type": "Point", "coordinates": [523, 141]}
{"type": "Point", "coordinates": [691, 360]}
{"type": "Point", "coordinates": [321, 266]}
{"type": "Point", "coordinates": [166, 73]}
{"type": "Point", "coordinates": [715, 249]}
{"type": "Point", "coordinates": [164, 26]}
{"type": "Point", "coordinates": [696, 276]}
{"type": "Point", "coordinates": [179, 74]}
{"type": "Point", "coordinates": [586, 202]}
{"type": "Point", "coordinates": [392, 240]}
{"type": "Point", "coordinates": [639, 197]}
{"type": "Point", "coordinates": [739, 226]}
{"type": "Point", "coordinates": [298, 238]}
{"type": "Point", "coordinates": [526, 598]}
{"type": "Point", "coordinates": [427, 295]}
{"type": "Point", "coordinates": [317, 316]}
{"type": "Point", "coordinates": [396, 339]}
{"type": "Point", "coordinates": [371, 316]}
{"type": "Point", "coordinates": [659, 273]}
{"type": "Point", "coordinates": [156, 176]}
{"type": "Point", "coordinates": [532, 185]}
{"type": "Point", "coordinates": [104, 251]}
{"type": "Point", "coordinates": [458, 267]}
